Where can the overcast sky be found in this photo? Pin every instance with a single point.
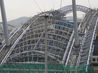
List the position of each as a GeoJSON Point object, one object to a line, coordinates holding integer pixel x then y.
{"type": "Point", "coordinates": [19, 8]}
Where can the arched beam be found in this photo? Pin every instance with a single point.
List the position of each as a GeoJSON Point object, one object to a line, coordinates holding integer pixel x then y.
{"type": "Point", "coordinates": [52, 56]}
{"type": "Point", "coordinates": [67, 9]}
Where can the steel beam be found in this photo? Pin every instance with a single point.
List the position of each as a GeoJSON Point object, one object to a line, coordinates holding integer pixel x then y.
{"type": "Point", "coordinates": [4, 20]}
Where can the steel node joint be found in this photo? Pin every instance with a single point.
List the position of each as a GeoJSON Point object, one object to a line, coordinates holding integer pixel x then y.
{"type": "Point", "coordinates": [46, 15]}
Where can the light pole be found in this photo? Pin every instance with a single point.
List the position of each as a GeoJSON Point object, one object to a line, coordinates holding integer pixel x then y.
{"type": "Point", "coordinates": [75, 23]}
{"type": "Point", "coordinates": [4, 20]}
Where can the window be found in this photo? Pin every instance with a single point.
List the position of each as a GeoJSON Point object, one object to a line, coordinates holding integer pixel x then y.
{"type": "Point", "coordinates": [33, 41]}
{"type": "Point", "coordinates": [94, 59]}
{"type": "Point", "coordinates": [28, 41]}
{"type": "Point", "coordinates": [29, 47]}
{"type": "Point", "coordinates": [32, 36]}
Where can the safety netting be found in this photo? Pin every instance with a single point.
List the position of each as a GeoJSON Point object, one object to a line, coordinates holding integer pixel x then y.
{"type": "Point", "coordinates": [40, 68]}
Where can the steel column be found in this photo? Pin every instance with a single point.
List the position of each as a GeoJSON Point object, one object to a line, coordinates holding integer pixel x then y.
{"type": "Point", "coordinates": [75, 23]}
{"type": "Point", "coordinates": [4, 20]}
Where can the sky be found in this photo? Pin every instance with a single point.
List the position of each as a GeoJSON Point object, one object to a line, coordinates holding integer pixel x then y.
{"type": "Point", "coordinates": [20, 8]}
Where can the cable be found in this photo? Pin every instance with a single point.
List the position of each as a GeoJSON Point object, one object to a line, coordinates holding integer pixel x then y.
{"type": "Point", "coordinates": [61, 4]}
{"type": "Point", "coordinates": [89, 4]}
{"type": "Point", "coordinates": [53, 4]}
{"type": "Point", "coordinates": [38, 5]}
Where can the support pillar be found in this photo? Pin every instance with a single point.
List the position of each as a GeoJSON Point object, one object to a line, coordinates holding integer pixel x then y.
{"type": "Point", "coordinates": [4, 20]}
{"type": "Point", "coordinates": [75, 23]}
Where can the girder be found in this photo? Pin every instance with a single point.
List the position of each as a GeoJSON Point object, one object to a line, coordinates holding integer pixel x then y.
{"type": "Point", "coordinates": [68, 9]}
{"type": "Point", "coordinates": [81, 55]}
{"type": "Point", "coordinates": [52, 56]}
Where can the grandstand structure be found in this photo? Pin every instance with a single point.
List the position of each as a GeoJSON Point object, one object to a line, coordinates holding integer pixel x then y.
{"type": "Point", "coordinates": [31, 42]}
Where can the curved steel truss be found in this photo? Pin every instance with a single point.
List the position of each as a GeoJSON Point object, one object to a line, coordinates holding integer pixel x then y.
{"type": "Point", "coordinates": [30, 46]}
{"type": "Point", "coordinates": [68, 9]}
{"type": "Point", "coordinates": [33, 42]}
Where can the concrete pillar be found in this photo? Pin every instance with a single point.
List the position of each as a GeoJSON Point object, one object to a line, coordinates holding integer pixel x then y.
{"type": "Point", "coordinates": [4, 20]}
